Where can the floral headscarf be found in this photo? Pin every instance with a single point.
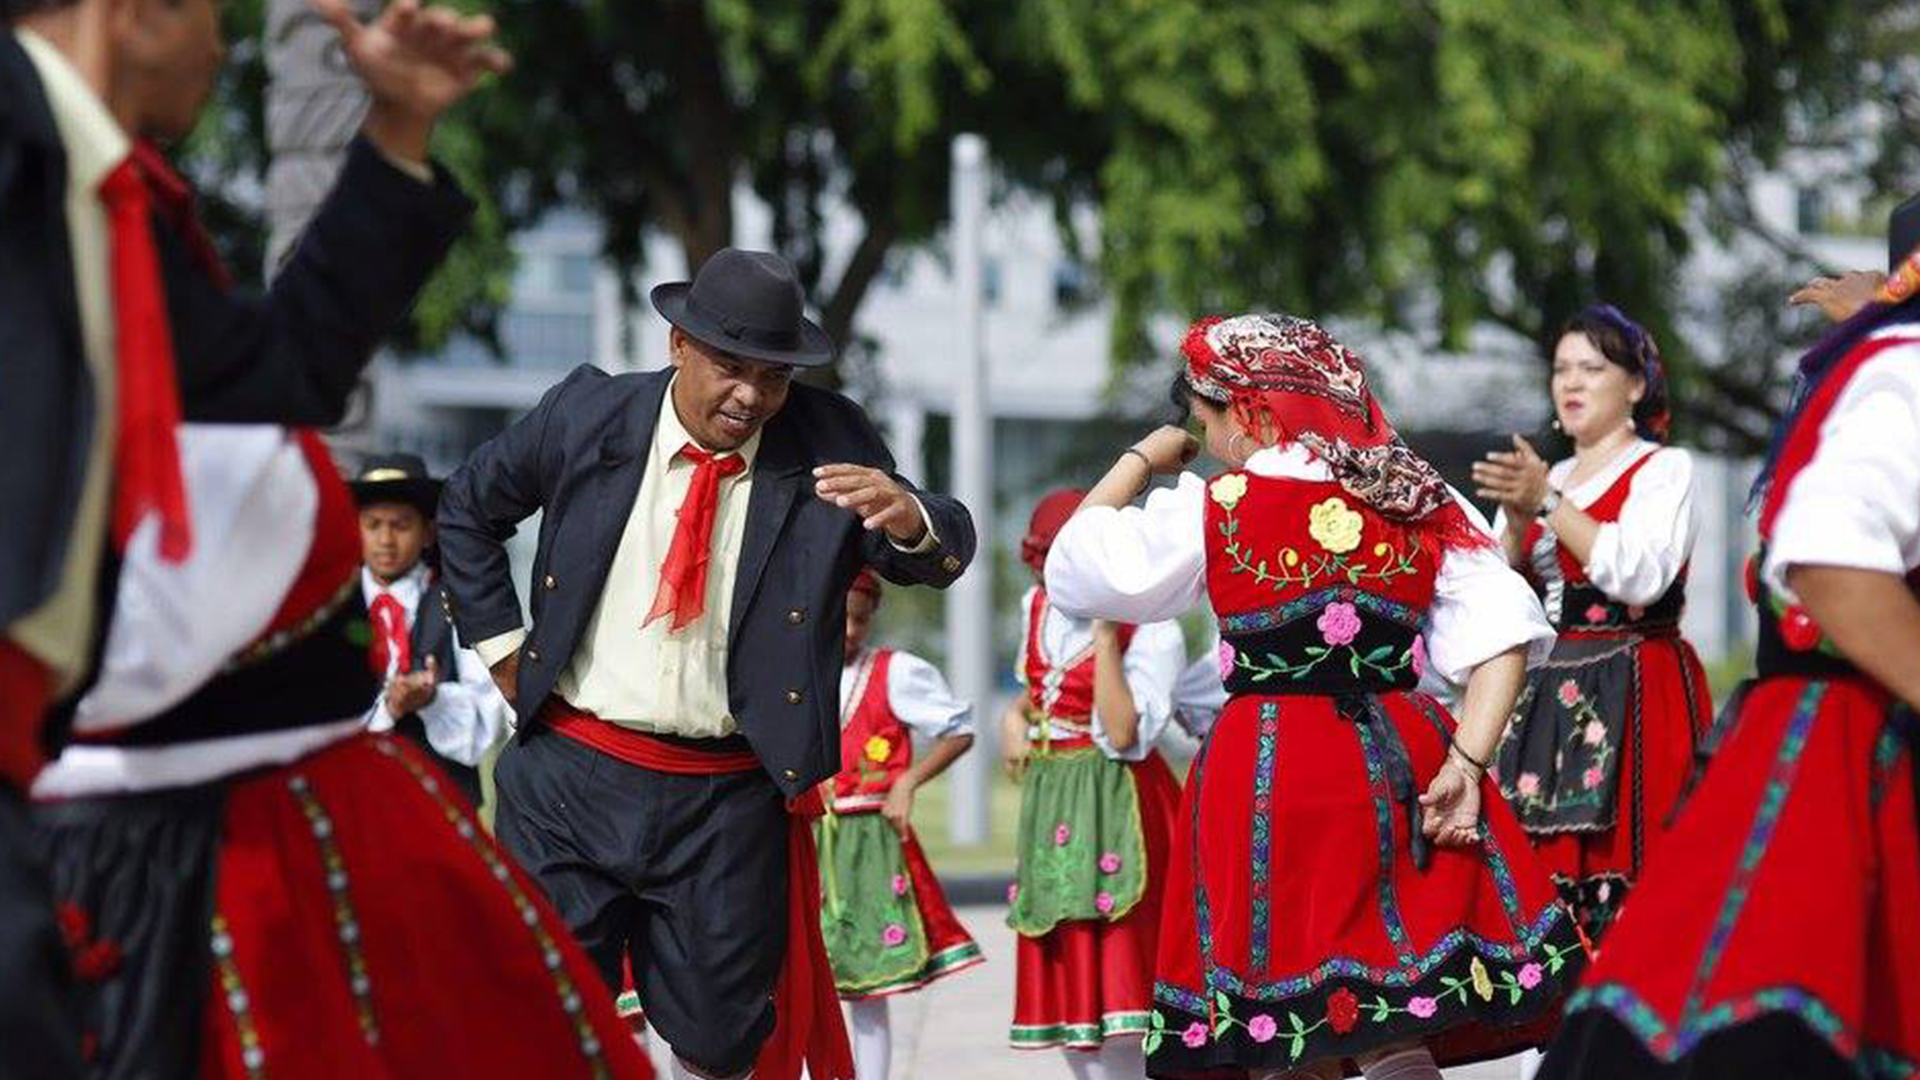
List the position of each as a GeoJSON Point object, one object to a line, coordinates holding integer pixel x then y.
{"type": "Point", "coordinates": [1290, 373]}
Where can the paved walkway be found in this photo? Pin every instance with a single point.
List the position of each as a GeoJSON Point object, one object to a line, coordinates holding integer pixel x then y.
{"type": "Point", "coordinates": [957, 1028]}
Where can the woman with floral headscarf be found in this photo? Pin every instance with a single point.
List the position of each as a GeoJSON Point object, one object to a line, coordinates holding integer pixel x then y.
{"type": "Point", "coordinates": [1603, 739]}
{"type": "Point", "coordinates": [1096, 814]}
{"type": "Point", "coordinates": [1346, 883]}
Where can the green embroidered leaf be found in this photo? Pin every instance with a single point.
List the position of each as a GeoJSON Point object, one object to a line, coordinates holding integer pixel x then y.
{"type": "Point", "coordinates": [1261, 569]}
{"type": "Point", "coordinates": [1220, 1024]}
{"type": "Point", "coordinates": [1353, 664]}
{"type": "Point", "coordinates": [1513, 994]}
{"type": "Point", "coordinates": [1296, 1048]}
{"type": "Point", "coordinates": [1157, 1021]}
{"type": "Point", "coordinates": [1316, 650]}
{"type": "Point", "coordinates": [1379, 654]}
{"type": "Point", "coordinates": [1152, 1042]}
{"type": "Point", "coordinates": [1299, 1025]}
{"type": "Point", "coordinates": [1263, 675]}
{"type": "Point", "coordinates": [1554, 964]}
{"type": "Point", "coordinates": [1222, 1004]}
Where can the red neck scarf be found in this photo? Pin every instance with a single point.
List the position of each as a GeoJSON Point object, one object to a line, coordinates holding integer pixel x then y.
{"type": "Point", "coordinates": [146, 454]}
{"type": "Point", "coordinates": [683, 574]}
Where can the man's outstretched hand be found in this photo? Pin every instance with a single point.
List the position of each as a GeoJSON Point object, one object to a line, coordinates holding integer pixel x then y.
{"type": "Point", "coordinates": [875, 498]}
{"type": "Point", "coordinates": [417, 63]}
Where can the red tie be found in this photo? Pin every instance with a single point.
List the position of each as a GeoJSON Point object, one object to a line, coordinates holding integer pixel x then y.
{"type": "Point", "coordinates": [392, 652]}
{"type": "Point", "coordinates": [683, 576]}
{"type": "Point", "coordinates": [146, 458]}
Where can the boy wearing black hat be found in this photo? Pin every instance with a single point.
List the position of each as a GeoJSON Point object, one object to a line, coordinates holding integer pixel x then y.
{"type": "Point", "coordinates": [437, 695]}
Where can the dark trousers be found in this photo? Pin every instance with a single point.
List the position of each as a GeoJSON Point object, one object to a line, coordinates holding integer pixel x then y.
{"type": "Point", "coordinates": [683, 876]}
{"type": "Point", "coordinates": [39, 1005]}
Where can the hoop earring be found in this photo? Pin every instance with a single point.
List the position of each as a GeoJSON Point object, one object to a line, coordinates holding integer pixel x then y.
{"type": "Point", "coordinates": [1232, 444]}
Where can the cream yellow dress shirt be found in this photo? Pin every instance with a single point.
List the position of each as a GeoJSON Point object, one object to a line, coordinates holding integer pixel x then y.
{"type": "Point", "coordinates": [648, 677]}
{"type": "Point", "coordinates": [60, 632]}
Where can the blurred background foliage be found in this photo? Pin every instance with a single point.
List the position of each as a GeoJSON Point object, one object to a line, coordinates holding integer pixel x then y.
{"type": "Point", "coordinates": [1436, 163]}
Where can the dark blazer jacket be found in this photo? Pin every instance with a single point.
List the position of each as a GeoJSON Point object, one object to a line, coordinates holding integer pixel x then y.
{"type": "Point", "coordinates": [579, 456]}
{"type": "Point", "coordinates": [290, 357]}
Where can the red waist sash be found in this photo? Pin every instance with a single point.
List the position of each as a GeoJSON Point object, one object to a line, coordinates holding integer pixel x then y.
{"type": "Point", "coordinates": [808, 1029]}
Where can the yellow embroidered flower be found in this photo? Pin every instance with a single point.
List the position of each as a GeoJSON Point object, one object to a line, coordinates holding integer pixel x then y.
{"type": "Point", "coordinates": [1228, 490]}
{"type": "Point", "coordinates": [1335, 527]}
{"type": "Point", "coordinates": [879, 749]}
{"type": "Point", "coordinates": [1482, 982]}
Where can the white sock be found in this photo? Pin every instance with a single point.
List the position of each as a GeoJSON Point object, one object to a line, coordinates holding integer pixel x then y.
{"type": "Point", "coordinates": [1121, 1059]}
{"type": "Point", "coordinates": [1117, 1059]}
{"type": "Point", "coordinates": [1530, 1063]}
{"type": "Point", "coordinates": [872, 1033]}
{"type": "Point", "coordinates": [1085, 1064]}
{"type": "Point", "coordinates": [1414, 1064]}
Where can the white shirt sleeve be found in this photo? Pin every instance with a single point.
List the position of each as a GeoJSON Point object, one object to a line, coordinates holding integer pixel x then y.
{"type": "Point", "coordinates": [251, 499]}
{"type": "Point", "coordinates": [1136, 564]}
{"type": "Point", "coordinates": [467, 713]}
{"type": "Point", "coordinates": [1199, 695]}
{"type": "Point", "coordinates": [1857, 502]}
{"type": "Point", "coordinates": [1151, 665]}
{"type": "Point", "coordinates": [922, 700]}
{"type": "Point", "coordinates": [1481, 608]}
{"type": "Point", "coordinates": [1636, 559]}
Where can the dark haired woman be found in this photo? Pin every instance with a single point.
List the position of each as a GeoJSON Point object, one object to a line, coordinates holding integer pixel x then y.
{"type": "Point", "coordinates": [1345, 882]}
{"type": "Point", "coordinates": [1603, 737]}
{"type": "Point", "coordinates": [1774, 933]}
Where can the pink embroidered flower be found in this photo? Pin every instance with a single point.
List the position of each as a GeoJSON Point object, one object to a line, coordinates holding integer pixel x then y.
{"type": "Point", "coordinates": [1103, 903]}
{"type": "Point", "coordinates": [1594, 733]}
{"type": "Point", "coordinates": [893, 935]}
{"type": "Point", "coordinates": [1262, 1028]}
{"type": "Point", "coordinates": [1061, 834]}
{"type": "Point", "coordinates": [1592, 777]}
{"type": "Point", "coordinates": [1227, 656]}
{"type": "Point", "coordinates": [899, 884]}
{"type": "Point", "coordinates": [1419, 656]}
{"type": "Point", "coordinates": [1013, 893]}
{"type": "Point", "coordinates": [1110, 863]}
{"type": "Point", "coordinates": [1423, 1007]}
{"type": "Point", "coordinates": [1528, 784]}
{"type": "Point", "coordinates": [1339, 624]}
{"type": "Point", "coordinates": [1195, 1036]}
{"type": "Point", "coordinates": [1596, 613]}
{"type": "Point", "coordinates": [1530, 976]}
{"type": "Point", "coordinates": [1569, 693]}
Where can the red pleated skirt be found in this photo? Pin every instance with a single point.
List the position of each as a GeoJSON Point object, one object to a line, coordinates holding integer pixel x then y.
{"type": "Point", "coordinates": [365, 926]}
{"type": "Point", "coordinates": [1088, 981]}
{"type": "Point", "coordinates": [1298, 926]}
{"type": "Point", "coordinates": [1596, 869]}
{"type": "Point", "coordinates": [1777, 930]}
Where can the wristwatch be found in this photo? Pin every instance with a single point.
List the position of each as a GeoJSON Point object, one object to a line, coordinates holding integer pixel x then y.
{"type": "Point", "coordinates": [1548, 504]}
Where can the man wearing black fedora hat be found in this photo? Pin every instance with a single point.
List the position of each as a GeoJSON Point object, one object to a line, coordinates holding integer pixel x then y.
{"type": "Point", "coordinates": [438, 696]}
{"type": "Point", "coordinates": [677, 686]}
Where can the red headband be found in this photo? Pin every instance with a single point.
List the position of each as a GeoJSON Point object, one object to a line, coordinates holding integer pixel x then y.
{"type": "Point", "coordinates": [1050, 515]}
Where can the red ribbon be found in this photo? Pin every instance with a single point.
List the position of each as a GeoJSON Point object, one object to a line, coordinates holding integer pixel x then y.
{"type": "Point", "coordinates": [392, 651]}
{"type": "Point", "coordinates": [146, 455]}
{"type": "Point", "coordinates": [683, 574]}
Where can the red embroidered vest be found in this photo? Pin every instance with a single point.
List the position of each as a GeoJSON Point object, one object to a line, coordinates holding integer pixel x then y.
{"type": "Point", "coordinates": [1585, 610]}
{"type": "Point", "coordinates": [1060, 687]}
{"type": "Point", "coordinates": [875, 747]}
{"type": "Point", "coordinates": [1316, 593]}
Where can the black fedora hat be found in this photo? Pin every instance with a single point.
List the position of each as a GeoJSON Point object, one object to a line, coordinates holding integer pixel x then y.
{"type": "Point", "coordinates": [748, 304]}
{"type": "Point", "coordinates": [396, 478]}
